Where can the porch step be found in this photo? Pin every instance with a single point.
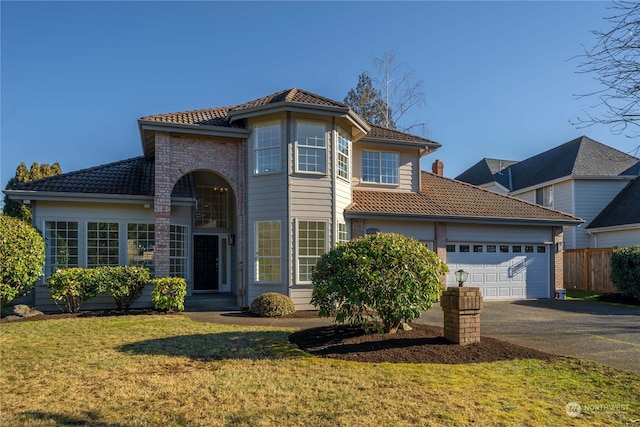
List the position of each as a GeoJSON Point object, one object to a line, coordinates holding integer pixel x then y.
{"type": "Point", "coordinates": [211, 302]}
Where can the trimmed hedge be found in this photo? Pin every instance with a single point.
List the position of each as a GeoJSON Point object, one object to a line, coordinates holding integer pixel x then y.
{"type": "Point", "coordinates": [124, 283]}
{"type": "Point", "coordinates": [272, 304]}
{"type": "Point", "coordinates": [625, 270]}
{"type": "Point", "coordinates": [70, 287]}
{"type": "Point", "coordinates": [168, 293]}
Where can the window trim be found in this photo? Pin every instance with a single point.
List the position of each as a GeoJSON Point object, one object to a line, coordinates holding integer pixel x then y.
{"type": "Point", "coordinates": [297, 246]}
{"type": "Point", "coordinates": [297, 147]}
{"type": "Point", "coordinates": [342, 134]}
{"type": "Point", "coordinates": [256, 264]}
{"type": "Point", "coordinates": [256, 150]}
{"type": "Point", "coordinates": [49, 256]}
{"type": "Point", "coordinates": [87, 237]}
{"type": "Point", "coordinates": [380, 174]}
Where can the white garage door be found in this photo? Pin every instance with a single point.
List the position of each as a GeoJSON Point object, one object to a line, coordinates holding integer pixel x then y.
{"type": "Point", "coordinates": [502, 270]}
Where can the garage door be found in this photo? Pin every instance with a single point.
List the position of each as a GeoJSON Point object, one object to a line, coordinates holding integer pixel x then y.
{"type": "Point", "coordinates": [502, 270]}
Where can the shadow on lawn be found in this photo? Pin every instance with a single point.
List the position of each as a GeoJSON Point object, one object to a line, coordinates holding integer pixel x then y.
{"type": "Point", "coordinates": [90, 419]}
{"type": "Point", "coordinates": [583, 307]}
{"type": "Point", "coordinates": [220, 346]}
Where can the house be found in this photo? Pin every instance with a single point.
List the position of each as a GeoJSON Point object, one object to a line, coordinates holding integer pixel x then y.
{"type": "Point", "coordinates": [245, 199]}
{"type": "Point", "coordinates": [582, 177]}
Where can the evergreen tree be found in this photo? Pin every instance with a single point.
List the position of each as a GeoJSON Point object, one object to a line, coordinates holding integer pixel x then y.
{"type": "Point", "coordinates": [15, 208]}
{"type": "Point", "coordinates": [367, 102]}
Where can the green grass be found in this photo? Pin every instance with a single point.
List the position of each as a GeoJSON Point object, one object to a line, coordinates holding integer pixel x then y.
{"type": "Point", "coordinates": [579, 294]}
{"type": "Point", "coordinates": [166, 370]}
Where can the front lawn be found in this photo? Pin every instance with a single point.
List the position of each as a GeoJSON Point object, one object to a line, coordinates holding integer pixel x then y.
{"type": "Point", "coordinates": [159, 370]}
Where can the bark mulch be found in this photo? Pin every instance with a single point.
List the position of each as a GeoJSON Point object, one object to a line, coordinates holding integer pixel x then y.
{"type": "Point", "coordinates": [422, 344]}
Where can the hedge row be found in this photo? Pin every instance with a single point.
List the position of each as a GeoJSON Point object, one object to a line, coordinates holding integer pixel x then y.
{"type": "Point", "coordinates": [625, 270]}
{"type": "Point", "coordinates": [71, 287]}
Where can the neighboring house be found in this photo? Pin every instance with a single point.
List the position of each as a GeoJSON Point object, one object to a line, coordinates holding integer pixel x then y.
{"type": "Point", "coordinates": [581, 177]}
{"type": "Point", "coordinates": [245, 199]}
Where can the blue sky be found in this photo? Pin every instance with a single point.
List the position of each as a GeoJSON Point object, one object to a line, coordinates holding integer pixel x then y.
{"type": "Point", "coordinates": [499, 82]}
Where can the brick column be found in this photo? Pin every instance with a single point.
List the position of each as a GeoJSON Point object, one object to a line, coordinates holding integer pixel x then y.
{"type": "Point", "coordinates": [441, 245]}
{"type": "Point", "coordinates": [357, 228]}
{"type": "Point", "coordinates": [461, 308]}
{"type": "Point", "coordinates": [162, 203]}
{"type": "Point", "coordinates": [558, 258]}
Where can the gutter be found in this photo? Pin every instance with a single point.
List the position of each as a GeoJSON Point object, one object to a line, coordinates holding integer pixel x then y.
{"type": "Point", "coordinates": [91, 197]}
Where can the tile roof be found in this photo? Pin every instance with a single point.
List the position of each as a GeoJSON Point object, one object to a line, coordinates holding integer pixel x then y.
{"type": "Point", "coordinates": [395, 135]}
{"type": "Point", "coordinates": [220, 116]}
{"type": "Point", "coordinates": [205, 117]}
{"type": "Point", "coordinates": [297, 96]}
{"type": "Point", "coordinates": [447, 198]}
{"type": "Point", "coordinates": [134, 177]}
{"type": "Point", "coordinates": [624, 209]}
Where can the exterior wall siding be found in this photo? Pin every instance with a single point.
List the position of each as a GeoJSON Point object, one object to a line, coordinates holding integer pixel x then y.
{"type": "Point", "coordinates": [591, 197]}
{"type": "Point", "coordinates": [409, 168]}
{"type": "Point", "coordinates": [619, 238]}
{"type": "Point", "coordinates": [498, 233]}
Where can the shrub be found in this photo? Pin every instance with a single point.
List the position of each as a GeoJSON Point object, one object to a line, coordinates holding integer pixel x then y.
{"type": "Point", "coordinates": [73, 286]}
{"type": "Point", "coordinates": [168, 293]}
{"type": "Point", "coordinates": [272, 304]}
{"type": "Point", "coordinates": [385, 277]}
{"type": "Point", "coordinates": [124, 283]}
{"type": "Point", "coordinates": [625, 270]}
{"type": "Point", "coordinates": [21, 258]}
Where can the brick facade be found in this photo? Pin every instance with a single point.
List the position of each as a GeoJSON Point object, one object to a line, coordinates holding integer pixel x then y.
{"type": "Point", "coordinates": [179, 155]}
{"type": "Point", "coordinates": [558, 258]}
{"type": "Point", "coordinates": [461, 308]}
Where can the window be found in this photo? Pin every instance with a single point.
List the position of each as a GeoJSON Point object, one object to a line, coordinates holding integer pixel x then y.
{"type": "Point", "coordinates": [343, 233]}
{"type": "Point", "coordinates": [62, 244]}
{"type": "Point", "coordinates": [380, 167]}
{"type": "Point", "coordinates": [178, 251]}
{"type": "Point", "coordinates": [541, 249]}
{"type": "Point", "coordinates": [267, 148]}
{"type": "Point", "coordinates": [102, 244]}
{"type": "Point", "coordinates": [516, 248]}
{"type": "Point", "coordinates": [491, 248]}
{"type": "Point", "coordinates": [504, 248]}
{"type": "Point", "coordinates": [268, 251]}
{"type": "Point", "coordinates": [451, 248]}
{"type": "Point", "coordinates": [312, 238]}
{"type": "Point", "coordinates": [528, 249]}
{"type": "Point", "coordinates": [311, 147]}
{"type": "Point", "coordinates": [478, 248]}
{"type": "Point", "coordinates": [344, 150]}
{"type": "Point", "coordinates": [464, 248]}
{"type": "Point", "coordinates": [212, 210]}
{"type": "Point", "coordinates": [141, 245]}
{"type": "Point", "coordinates": [544, 196]}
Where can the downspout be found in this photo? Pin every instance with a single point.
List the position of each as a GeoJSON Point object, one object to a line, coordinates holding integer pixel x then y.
{"type": "Point", "coordinates": [594, 236]}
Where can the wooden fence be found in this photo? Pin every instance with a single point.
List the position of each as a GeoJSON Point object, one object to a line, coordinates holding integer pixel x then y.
{"type": "Point", "coordinates": [588, 269]}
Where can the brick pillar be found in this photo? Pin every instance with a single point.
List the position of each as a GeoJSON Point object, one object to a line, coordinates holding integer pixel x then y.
{"type": "Point", "coordinates": [461, 308]}
{"type": "Point", "coordinates": [357, 228]}
{"type": "Point", "coordinates": [162, 203]}
{"type": "Point", "coordinates": [558, 258]}
{"type": "Point", "coordinates": [441, 245]}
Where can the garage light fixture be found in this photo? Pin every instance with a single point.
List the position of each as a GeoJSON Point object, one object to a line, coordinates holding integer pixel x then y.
{"type": "Point", "coordinates": [461, 277]}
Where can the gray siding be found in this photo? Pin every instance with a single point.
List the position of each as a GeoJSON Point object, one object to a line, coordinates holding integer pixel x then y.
{"type": "Point", "coordinates": [620, 238]}
{"type": "Point", "coordinates": [591, 196]}
{"type": "Point", "coordinates": [496, 234]}
{"type": "Point", "coordinates": [408, 162]}
{"type": "Point", "coordinates": [419, 230]}
{"type": "Point", "coordinates": [563, 201]}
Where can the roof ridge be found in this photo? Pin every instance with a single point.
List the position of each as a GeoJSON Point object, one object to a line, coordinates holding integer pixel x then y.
{"type": "Point", "coordinates": [500, 194]}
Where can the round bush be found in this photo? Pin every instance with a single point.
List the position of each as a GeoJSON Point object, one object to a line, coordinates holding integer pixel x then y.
{"type": "Point", "coordinates": [21, 257]}
{"type": "Point", "coordinates": [272, 304]}
{"type": "Point", "coordinates": [377, 281]}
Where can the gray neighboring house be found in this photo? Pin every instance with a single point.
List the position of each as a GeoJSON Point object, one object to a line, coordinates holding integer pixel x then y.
{"type": "Point", "coordinates": [582, 177]}
{"type": "Point", "coordinates": [243, 200]}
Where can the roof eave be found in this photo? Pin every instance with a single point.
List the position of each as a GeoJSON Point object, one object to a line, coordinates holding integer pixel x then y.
{"type": "Point", "coordinates": [620, 227]}
{"type": "Point", "coordinates": [23, 195]}
{"type": "Point", "coordinates": [285, 106]}
{"type": "Point", "coordinates": [461, 219]}
{"type": "Point", "coordinates": [427, 146]}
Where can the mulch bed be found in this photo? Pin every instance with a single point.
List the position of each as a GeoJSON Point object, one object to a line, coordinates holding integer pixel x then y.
{"type": "Point", "coordinates": [89, 313]}
{"type": "Point", "coordinates": [422, 344]}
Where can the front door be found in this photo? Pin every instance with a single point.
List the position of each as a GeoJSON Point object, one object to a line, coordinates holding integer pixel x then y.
{"type": "Point", "coordinates": [205, 270]}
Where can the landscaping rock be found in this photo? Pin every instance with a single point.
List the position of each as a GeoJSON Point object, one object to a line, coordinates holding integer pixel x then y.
{"type": "Point", "coordinates": [23, 310]}
{"type": "Point", "coordinates": [405, 327]}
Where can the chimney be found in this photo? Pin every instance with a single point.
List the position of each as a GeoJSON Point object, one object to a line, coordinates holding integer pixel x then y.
{"type": "Point", "coordinates": [438, 167]}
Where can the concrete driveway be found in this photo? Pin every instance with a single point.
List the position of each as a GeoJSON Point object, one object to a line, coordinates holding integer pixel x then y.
{"type": "Point", "coordinates": [606, 333]}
